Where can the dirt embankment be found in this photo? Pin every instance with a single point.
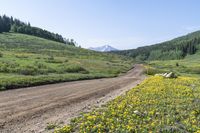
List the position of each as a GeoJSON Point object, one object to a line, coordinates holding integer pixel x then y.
{"type": "Point", "coordinates": [30, 109]}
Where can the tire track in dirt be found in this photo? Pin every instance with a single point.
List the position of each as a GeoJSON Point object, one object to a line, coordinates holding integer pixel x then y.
{"type": "Point", "coordinates": [30, 109]}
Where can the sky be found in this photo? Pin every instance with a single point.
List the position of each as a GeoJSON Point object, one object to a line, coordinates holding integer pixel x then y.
{"type": "Point", "coordinates": [123, 24]}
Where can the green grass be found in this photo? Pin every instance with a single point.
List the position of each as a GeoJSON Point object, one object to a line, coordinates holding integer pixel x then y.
{"type": "Point", "coordinates": [188, 66]}
{"type": "Point", "coordinates": [158, 105]}
{"type": "Point", "coordinates": [28, 61]}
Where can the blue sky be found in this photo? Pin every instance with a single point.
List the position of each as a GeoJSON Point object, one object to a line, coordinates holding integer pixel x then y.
{"type": "Point", "coordinates": [123, 24]}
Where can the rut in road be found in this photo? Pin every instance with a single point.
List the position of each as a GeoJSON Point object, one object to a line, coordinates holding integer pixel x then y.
{"type": "Point", "coordinates": [30, 109]}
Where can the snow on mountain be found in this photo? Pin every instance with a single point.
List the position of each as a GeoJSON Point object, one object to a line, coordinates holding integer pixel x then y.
{"type": "Point", "coordinates": [105, 48]}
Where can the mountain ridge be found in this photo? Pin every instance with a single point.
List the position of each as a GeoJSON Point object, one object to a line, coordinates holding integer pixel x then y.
{"type": "Point", "coordinates": [104, 48]}
{"type": "Point", "coordinates": [177, 48]}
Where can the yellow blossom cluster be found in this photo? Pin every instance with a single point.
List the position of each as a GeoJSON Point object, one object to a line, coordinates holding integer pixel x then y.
{"type": "Point", "coordinates": [156, 105]}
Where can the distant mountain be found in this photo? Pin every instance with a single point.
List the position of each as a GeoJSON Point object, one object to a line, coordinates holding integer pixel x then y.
{"type": "Point", "coordinates": [105, 48]}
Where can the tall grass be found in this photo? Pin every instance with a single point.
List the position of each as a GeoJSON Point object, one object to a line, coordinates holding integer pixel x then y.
{"type": "Point", "coordinates": [28, 60]}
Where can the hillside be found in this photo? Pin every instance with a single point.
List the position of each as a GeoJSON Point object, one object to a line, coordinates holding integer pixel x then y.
{"type": "Point", "coordinates": [158, 104]}
{"type": "Point", "coordinates": [28, 60]}
{"type": "Point", "coordinates": [177, 48]}
{"type": "Point", "coordinates": [10, 24]}
{"type": "Point", "coordinates": [189, 66]}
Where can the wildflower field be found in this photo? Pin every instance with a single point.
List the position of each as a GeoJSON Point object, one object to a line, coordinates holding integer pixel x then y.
{"type": "Point", "coordinates": [156, 105]}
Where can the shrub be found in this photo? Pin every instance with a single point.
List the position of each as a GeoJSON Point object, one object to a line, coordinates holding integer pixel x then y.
{"type": "Point", "coordinates": [1, 54]}
{"type": "Point", "coordinates": [19, 81]}
{"type": "Point", "coordinates": [152, 71]}
{"type": "Point", "coordinates": [51, 126]}
{"type": "Point", "coordinates": [177, 64]}
{"type": "Point", "coordinates": [51, 59]}
{"type": "Point", "coordinates": [8, 66]}
{"type": "Point", "coordinates": [21, 56]}
{"type": "Point", "coordinates": [66, 60]}
{"type": "Point", "coordinates": [40, 65]}
{"type": "Point", "coordinates": [28, 70]}
{"type": "Point", "coordinates": [193, 70]}
{"type": "Point", "coordinates": [72, 69]}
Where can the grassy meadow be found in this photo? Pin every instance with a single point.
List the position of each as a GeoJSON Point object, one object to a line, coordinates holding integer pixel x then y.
{"type": "Point", "coordinates": [28, 61]}
{"type": "Point", "coordinates": [189, 66]}
{"type": "Point", "coordinates": [158, 104]}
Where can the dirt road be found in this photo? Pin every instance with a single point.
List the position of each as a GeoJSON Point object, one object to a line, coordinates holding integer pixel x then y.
{"type": "Point", "coordinates": [30, 109]}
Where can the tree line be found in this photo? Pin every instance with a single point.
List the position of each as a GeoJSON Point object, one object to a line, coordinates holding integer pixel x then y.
{"type": "Point", "coordinates": [175, 49]}
{"type": "Point", "coordinates": [10, 24]}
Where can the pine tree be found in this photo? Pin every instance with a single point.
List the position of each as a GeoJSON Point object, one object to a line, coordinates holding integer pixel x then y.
{"type": "Point", "coordinates": [1, 24]}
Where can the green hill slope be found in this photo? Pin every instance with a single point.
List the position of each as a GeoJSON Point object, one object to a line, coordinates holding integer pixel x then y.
{"type": "Point", "coordinates": [189, 66]}
{"type": "Point", "coordinates": [175, 49]}
{"type": "Point", "coordinates": [27, 60]}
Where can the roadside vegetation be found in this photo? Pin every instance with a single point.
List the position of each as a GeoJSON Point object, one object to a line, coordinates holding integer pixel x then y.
{"type": "Point", "coordinates": [157, 105]}
{"type": "Point", "coordinates": [28, 61]}
{"type": "Point", "coordinates": [189, 66]}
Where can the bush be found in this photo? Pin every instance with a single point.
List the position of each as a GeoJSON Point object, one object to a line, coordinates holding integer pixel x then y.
{"type": "Point", "coordinates": [115, 72]}
{"type": "Point", "coordinates": [40, 65]}
{"type": "Point", "coordinates": [21, 56]}
{"type": "Point", "coordinates": [51, 59]}
{"type": "Point", "coordinates": [177, 64]}
{"type": "Point", "coordinates": [1, 54]}
{"type": "Point", "coordinates": [35, 69]}
{"type": "Point", "coordinates": [72, 69]}
{"type": "Point", "coordinates": [19, 81]}
{"type": "Point", "coordinates": [66, 60]}
{"type": "Point", "coordinates": [8, 67]}
{"type": "Point", "coordinates": [28, 70]}
{"type": "Point", "coordinates": [152, 71]}
{"type": "Point", "coordinates": [193, 70]}
{"type": "Point", "coordinates": [51, 126]}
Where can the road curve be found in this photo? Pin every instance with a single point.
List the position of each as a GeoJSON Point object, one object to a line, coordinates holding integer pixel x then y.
{"type": "Point", "coordinates": [30, 109]}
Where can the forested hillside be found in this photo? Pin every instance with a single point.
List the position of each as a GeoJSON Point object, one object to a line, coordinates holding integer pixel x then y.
{"type": "Point", "coordinates": [174, 49]}
{"type": "Point", "coordinates": [10, 24]}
